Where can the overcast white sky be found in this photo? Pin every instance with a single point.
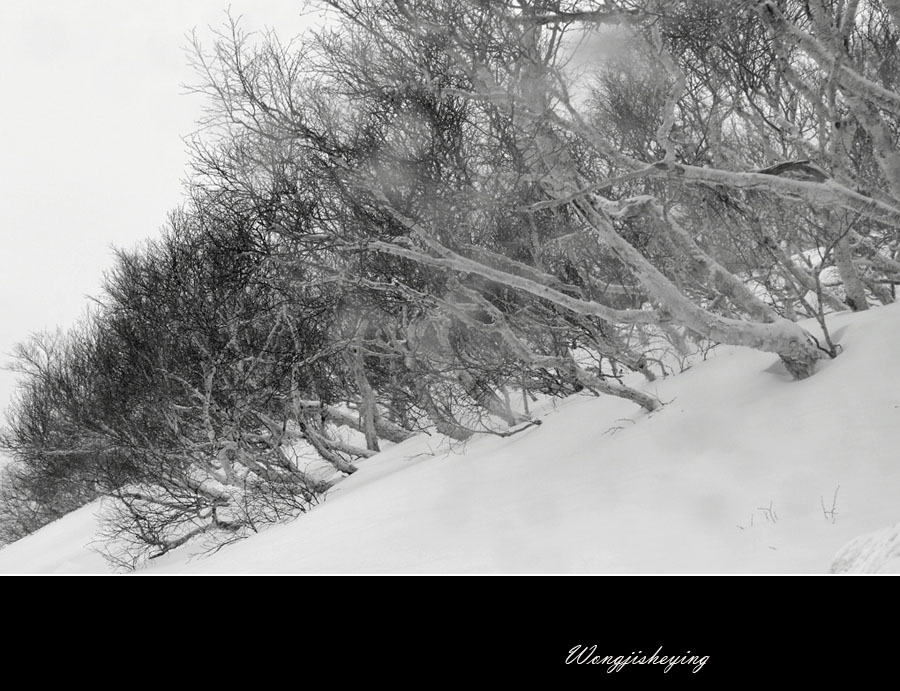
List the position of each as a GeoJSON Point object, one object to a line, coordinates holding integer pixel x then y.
{"type": "Point", "coordinates": [92, 115]}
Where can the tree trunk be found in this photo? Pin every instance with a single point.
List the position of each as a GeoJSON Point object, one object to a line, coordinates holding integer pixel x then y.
{"type": "Point", "coordinates": [854, 290]}
{"type": "Point", "coordinates": [325, 450]}
{"type": "Point", "coordinates": [367, 412]}
{"type": "Point", "coordinates": [790, 342]}
{"type": "Point", "coordinates": [489, 400]}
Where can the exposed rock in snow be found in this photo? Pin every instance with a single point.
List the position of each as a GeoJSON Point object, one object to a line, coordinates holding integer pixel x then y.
{"type": "Point", "coordinates": [877, 552]}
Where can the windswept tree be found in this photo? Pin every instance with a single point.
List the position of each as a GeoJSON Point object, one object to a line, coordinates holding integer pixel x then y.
{"type": "Point", "coordinates": [449, 120]}
{"type": "Point", "coordinates": [202, 397]}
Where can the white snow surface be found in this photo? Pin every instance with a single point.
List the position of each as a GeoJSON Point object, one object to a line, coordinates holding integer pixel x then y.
{"type": "Point", "coordinates": [877, 552]}
{"type": "Point", "coordinates": [742, 471]}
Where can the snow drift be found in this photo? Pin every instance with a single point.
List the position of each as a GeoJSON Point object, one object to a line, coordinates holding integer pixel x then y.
{"type": "Point", "coordinates": [741, 471]}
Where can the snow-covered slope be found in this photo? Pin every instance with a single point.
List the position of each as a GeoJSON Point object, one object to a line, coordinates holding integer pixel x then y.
{"type": "Point", "coordinates": [742, 471]}
{"type": "Point", "coordinates": [62, 547]}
